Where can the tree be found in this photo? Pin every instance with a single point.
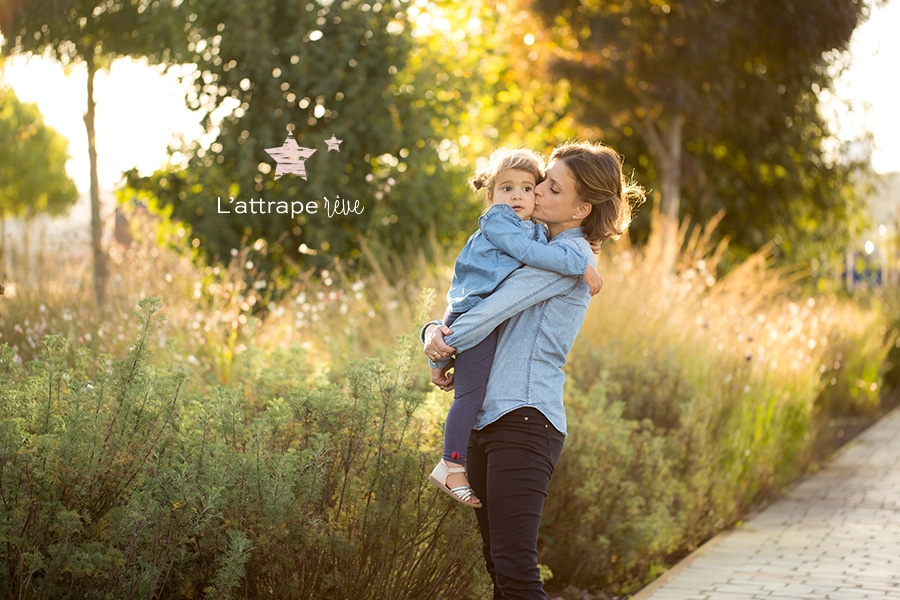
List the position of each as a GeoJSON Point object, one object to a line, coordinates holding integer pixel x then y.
{"type": "Point", "coordinates": [417, 91]}
{"type": "Point", "coordinates": [94, 33]}
{"type": "Point", "coordinates": [33, 157]}
{"type": "Point", "coordinates": [319, 70]}
{"type": "Point", "coordinates": [720, 96]}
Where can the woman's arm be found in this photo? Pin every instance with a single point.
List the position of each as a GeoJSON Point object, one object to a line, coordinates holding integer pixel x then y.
{"type": "Point", "coordinates": [523, 289]}
{"type": "Point", "coordinates": [503, 228]}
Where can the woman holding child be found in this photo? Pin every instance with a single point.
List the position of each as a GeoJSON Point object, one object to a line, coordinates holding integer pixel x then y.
{"type": "Point", "coordinates": [519, 430]}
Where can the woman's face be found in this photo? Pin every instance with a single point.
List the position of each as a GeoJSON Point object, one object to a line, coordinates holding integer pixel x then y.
{"type": "Point", "coordinates": [556, 199]}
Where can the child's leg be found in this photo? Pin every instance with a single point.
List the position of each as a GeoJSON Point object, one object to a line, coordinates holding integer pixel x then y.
{"type": "Point", "coordinates": [471, 370]}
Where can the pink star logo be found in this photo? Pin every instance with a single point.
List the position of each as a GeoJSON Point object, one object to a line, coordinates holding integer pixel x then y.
{"type": "Point", "coordinates": [291, 157]}
{"type": "Point", "coordinates": [334, 143]}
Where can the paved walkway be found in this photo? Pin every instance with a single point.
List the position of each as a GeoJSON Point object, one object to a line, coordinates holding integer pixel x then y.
{"type": "Point", "coordinates": [834, 536]}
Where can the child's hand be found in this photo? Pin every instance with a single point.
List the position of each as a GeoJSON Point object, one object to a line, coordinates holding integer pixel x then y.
{"type": "Point", "coordinates": [442, 378]}
{"type": "Point", "coordinates": [595, 246]}
{"type": "Point", "coordinates": [593, 279]}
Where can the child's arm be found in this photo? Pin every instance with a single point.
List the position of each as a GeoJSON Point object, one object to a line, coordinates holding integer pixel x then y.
{"type": "Point", "coordinates": [592, 276]}
{"type": "Point", "coordinates": [504, 229]}
{"type": "Point", "coordinates": [593, 279]}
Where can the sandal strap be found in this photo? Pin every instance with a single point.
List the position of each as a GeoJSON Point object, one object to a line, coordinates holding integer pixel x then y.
{"type": "Point", "coordinates": [463, 492]}
{"type": "Point", "coordinates": [455, 469]}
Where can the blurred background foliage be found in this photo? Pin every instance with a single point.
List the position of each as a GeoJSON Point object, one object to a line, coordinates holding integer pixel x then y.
{"type": "Point", "coordinates": [710, 114]}
{"type": "Point", "coordinates": [717, 106]}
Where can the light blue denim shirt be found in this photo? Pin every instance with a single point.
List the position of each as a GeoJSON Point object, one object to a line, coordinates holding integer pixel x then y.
{"type": "Point", "coordinates": [540, 313]}
{"type": "Point", "coordinates": [502, 244]}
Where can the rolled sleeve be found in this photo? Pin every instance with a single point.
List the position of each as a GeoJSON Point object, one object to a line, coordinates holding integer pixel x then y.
{"type": "Point", "coordinates": [503, 228]}
{"type": "Point", "coordinates": [522, 289]}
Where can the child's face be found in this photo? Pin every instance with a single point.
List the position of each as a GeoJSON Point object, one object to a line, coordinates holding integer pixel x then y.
{"type": "Point", "coordinates": [515, 188]}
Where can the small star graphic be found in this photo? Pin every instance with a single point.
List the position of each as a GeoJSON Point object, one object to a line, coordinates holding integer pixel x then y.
{"type": "Point", "coordinates": [334, 143]}
{"type": "Point", "coordinates": [290, 157]}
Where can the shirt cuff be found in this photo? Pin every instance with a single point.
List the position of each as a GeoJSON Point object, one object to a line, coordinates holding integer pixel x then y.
{"type": "Point", "coordinates": [439, 364]}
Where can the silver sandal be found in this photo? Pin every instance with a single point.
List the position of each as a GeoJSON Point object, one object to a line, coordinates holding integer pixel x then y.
{"type": "Point", "coordinates": [462, 493]}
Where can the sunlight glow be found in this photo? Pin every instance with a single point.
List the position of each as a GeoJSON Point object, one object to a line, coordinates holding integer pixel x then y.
{"type": "Point", "coordinates": [873, 93]}
{"type": "Point", "coordinates": [139, 113]}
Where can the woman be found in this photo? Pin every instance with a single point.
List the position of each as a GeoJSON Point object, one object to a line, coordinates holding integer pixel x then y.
{"type": "Point", "coordinates": [509, 178]}
{"type": "Point", "coordinates": [518, 436]}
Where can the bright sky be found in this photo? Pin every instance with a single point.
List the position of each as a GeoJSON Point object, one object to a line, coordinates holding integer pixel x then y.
{"type": "Point", "coordinates": [139, 112]}
{"type": "Point", "coordinates": [871, 85]}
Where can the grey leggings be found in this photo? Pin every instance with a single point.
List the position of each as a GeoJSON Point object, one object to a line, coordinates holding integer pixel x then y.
{"type": "Point", "coordinates": [471, 370]}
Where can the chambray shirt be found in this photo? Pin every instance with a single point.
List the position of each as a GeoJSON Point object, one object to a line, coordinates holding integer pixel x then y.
{"type": "Point", "coordinates": [502, 244]}
{"type": "Point", "coordinates": [539, 313]}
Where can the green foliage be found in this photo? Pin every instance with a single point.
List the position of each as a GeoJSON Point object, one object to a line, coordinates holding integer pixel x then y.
{"type": "Point", "coordinates": [94, 34]}
{"type": "Point", "coordinates": [478, 53]}
{"type": "Point", "coordinates": [319, 69]}
{"type": "Point", "coordinates": [396, 86]}
{"type": "Point", "coordinates": [119, 481]}
{"type": "Point", "coordinates": [33, 178]}
{"type": "Point", "coordinates": [859, 360]}
{"type": "Point", "coordinates": [80, 445]}
{"type": "Point", "coordinates": [287, 467]}
{"type": "Point", "coordinates": [717, 105]}
{"type": "Point", "coordinates": [611, 511]}
{"type": "Point", "coordinates": [80, 30]}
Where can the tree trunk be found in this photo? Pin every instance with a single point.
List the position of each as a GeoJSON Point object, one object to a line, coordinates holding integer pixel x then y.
{"type": "Point", "coordinates": [671, 172]}
{"type": "Point", "coordinates": [96, 223]}
{"type": "Point", "coordinates": [3, 272]}
{"type": "Point", "coordinates": [26, 271]}
{"type": "Point", "coordinates": [666, 145]}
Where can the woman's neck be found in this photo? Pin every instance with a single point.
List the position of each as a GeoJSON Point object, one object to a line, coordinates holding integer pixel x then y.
{"type": "Point", "coordinates": [555, 229]}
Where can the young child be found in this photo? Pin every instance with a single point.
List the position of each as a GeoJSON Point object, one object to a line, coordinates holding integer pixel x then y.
{"type": "Point", "coordinates": [501, 245]}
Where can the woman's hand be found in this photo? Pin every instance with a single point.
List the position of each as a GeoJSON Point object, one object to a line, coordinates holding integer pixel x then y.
{"type": "Point", "coordinates": [435, 348]}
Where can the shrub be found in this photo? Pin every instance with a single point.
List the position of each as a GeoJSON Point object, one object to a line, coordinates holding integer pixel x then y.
{"type": "Point", "coordinates": [287, 467]}
{"type": "Point", "coordinates": [78, 447]}
{"type": "Point", "coordinates": [122, 481]}
{"type": "Point", "coordinates": [610, 510]}
{"type": "Point", "coordinates": [692, 398]}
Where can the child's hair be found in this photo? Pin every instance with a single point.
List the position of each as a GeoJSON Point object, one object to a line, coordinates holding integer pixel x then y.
{"type": "Point", "coordinates": [508, 158]}
{"type": "Point", "coordinates": [600, 181]}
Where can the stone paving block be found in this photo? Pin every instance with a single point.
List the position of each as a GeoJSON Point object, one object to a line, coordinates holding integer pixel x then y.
{"type": "Point", "coordinates": [835, 536]}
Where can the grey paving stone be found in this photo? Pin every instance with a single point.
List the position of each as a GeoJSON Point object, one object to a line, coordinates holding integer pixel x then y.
{"type": "Point", "coordinates": [835, 536]}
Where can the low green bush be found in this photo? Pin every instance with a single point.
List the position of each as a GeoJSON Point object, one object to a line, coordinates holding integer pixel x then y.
{"type": "Point", "coordinates": [120, 480]}
{"type": "Point", "coordinates": [610, 510]}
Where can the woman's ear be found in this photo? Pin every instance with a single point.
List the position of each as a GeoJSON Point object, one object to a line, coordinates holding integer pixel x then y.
{"type": "Point", "coordinates": [582, 210]}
